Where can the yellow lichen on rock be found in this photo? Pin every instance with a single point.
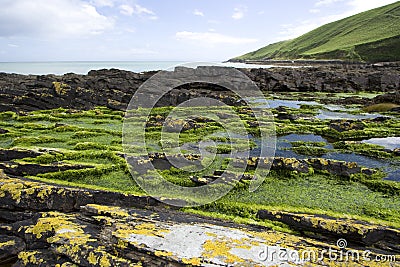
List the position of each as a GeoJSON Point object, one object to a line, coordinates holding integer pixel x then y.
{"type": "Point", "coordinates": [27, 257]}
{"type": "Point", "coordinates": [218, 249]}
{"type": "Point", "coordinates": [104, 261]}
{"type": "Point", "coordinates": [160, 253]}
{"type": "Point", "coordinates": [192, 261]}
{"type": "Point", "coordinates": [92, 258]}
{"type": "Point", "coordinates": [46, 191]}
{"type": "Point", "coordinates": [61, 226]}
{"type": "Point", "coordinates": [149, 229]}
{"type": "Point", "coordinates": [11, 187]}
{"type": "Point", "coordinates": [116, 212]}
{"type": "Point", "coordinates": [7, 243]}
{"type": "Point", "coordinates": [60, 88]}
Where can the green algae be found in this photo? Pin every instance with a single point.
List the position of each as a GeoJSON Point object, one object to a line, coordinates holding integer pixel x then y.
{"type": "Point", "coordinates": [93, 138]}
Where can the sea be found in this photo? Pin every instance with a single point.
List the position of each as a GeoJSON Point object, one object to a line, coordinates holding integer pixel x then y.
{"type": "Point", "coordinates": [83, 67]}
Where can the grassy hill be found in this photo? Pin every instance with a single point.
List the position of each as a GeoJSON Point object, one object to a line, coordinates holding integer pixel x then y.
{"type": "Point", "coordinates": [370, 36]}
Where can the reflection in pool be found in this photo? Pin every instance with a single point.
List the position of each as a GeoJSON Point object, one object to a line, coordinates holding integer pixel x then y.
{"type": "Point", "coordinates": [392, 168]}
{"type": "Point", "coordinates": [332, 115]}
{"type": "Point", "coordinates": [333, 112]}
{"type": "Point", "coordinates": [274, 103]}
{"type": "Point", "coordinates": [387, 142]}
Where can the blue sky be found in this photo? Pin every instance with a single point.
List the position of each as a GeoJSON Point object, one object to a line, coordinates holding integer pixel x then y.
{"type": "Point", "coordinates": [182, 30]}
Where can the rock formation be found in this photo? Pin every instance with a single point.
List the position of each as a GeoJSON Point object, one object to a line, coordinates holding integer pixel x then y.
{"type": "Point", "coordinates": [47, 225]}
{"type": "Point", "coordinates": [114, 88]}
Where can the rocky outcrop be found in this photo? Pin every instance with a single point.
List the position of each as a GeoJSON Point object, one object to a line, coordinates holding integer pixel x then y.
{"type": "Point", "coordinates": [114, 88]}
{"type": "Point", "coordinates": [359, 232]}
{"type": "Point", "coordinates": [340, 78]}
{"type": "Point", "coordinates": [392, 97]}
{"type": "Point", "coordinates": [161, 162]}
{"type": "Point", "coordinates": [48, 225]}
{"type": "Point", "coordinates": [110, 88]}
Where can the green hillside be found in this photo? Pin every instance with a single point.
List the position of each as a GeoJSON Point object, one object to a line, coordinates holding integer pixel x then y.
{"type": "Point", "coordinates": [370, 36]}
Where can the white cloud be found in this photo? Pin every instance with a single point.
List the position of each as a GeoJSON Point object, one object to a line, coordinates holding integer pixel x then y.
{"type": "Point", "coordinates": [353, 7]}
{"type": "Point", "coordinates": [364, 5]}
{"type": "Point", "coordinates": [13, 45]}
{"type": "Point", "coordinates": [137, 10]}
{"type": "Point", "coordinates": [326, 2]}
{"type": "Point", "coordinates": [290, 31]}
{"type": "Point", "coordinates": [213, 21]}
{"type": "Point", "coordinates": [126, 10]}
{"type": "Point", "coordinates": [197, 12]}
{"type": "Point", "coordinates": [212, 38]}
{"type": "Point", "coordinates": [238, 12]}
{"type": "Point", "coordinates": [51, 18]}
{"type": "Point", "coordinates": [314, 10]}
{"type": "Point", "coordinates": [140, 52]}
{"type": "Point", "coordinates": [102, 3]}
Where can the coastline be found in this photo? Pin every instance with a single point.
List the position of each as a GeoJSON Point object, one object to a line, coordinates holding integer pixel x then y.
{"type": "Point", "coordinates": [305, 62]}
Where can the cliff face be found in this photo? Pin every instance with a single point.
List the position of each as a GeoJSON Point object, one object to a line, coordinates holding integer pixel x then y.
{"type": "Point", "coordinates": [114, 88]}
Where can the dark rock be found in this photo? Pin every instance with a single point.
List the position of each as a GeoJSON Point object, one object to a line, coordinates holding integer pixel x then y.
{"type": "Point", "coordinates": [292, 117]}
{"type": "Point", "coordinates": [340, 168]}
{"type": "Point", "coordinates": [381, 119]}
{"type": "Point", "coordinates": [6, 216]}
{"type": "Point", "coordinates": [22, 169]}
{"type": "Point", "coordinates": [368, 172]}
{"type": "Point", "coordinates": [3, 131]}
{"type": "Point", "coordinates": [346, 125]}
{"type": "Point", "coordinates": [10, 246]}
{"type": "Point", "coordinates": [391, 97]}
{"type": "Point", "coordinates": [11, 154]}
{"type": "Point", "coordinates": [114, 88]}
{"type": "Point", "coordinates": [352, 230]}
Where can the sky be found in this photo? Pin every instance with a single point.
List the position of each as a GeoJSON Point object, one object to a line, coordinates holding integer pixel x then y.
{"type": "Point", "coordinates": [158, 30]}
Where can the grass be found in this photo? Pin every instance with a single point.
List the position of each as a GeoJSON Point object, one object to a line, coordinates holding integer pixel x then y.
{"type": "Point", "coordinates": [370, 36]}
{"type": "Point", "coordinates": [94, 138]}
{"type": "Point", "coordinates": [364, 149]}
{"type": "Point", "coordinates": [313, 194]}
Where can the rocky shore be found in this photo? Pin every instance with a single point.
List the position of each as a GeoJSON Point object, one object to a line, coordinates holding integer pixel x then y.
{"type": "Point", "coordinates": [114, 88]}
{"type": "Point", "coordinates": [45, 224]}
{"type": "Point", "coordinates": [49, 225]}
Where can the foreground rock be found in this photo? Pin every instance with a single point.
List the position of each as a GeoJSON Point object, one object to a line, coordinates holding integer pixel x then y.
{"type": "Point", "coordinates": [44, 225]}
{"type": "Point", "coordinates": [356, 231]}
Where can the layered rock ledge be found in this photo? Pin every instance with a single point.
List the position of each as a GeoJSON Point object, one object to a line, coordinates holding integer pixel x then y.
{"type": "Point", "coordinates": [48, 225]}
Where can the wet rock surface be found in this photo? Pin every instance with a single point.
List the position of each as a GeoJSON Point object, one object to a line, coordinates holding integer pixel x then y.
{"type": "Point", "coordinates": [114, 88]}
{"type": "Point", "coordinates": [39, 227]}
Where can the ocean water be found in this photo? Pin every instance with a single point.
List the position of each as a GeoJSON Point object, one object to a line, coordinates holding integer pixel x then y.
{"type": "Point", "coordinates": [83, 67]}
